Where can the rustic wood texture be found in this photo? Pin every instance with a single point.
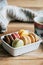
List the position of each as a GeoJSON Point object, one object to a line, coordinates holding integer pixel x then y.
{"type": "Point", "coordinates": [17, 26]}
{"type": "Point", "coordinates": [32, 58]}
{"type": "Point", "coordinates": [26, 3]}
{"type": "Point", "coordinates": [33, 4]}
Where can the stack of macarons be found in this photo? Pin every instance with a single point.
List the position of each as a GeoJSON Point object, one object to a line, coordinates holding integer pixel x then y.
{"type": "Point", "coordinates": [28, 37]}
{"type": "Point", "coordinates": [23, 37]}
{"type": "Point", "coordinates": [13, 40]}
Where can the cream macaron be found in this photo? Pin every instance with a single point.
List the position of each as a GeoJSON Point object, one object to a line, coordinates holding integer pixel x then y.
{"type": "Point", "coordinates": [26, 39]}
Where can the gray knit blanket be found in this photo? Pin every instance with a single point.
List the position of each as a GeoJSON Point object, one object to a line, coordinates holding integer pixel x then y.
{"type": "Point", "coordinates": [9, 13]}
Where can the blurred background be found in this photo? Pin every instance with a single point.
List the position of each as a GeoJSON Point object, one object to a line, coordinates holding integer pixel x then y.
{"type": "Point", "coordinates": [31, 4]}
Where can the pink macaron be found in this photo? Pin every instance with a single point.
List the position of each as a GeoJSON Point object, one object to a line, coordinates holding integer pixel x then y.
{"type": "Point", "coordinates": [15, 35]}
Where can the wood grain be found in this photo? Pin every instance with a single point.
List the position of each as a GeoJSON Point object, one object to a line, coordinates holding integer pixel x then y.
{"type": "Point", "coordinates": [32, 58]}
{"type": "Point", "coordinates": [21, 62]}
{"type": "Point", "coordinates": [12, 27]}
{"type": "Point", "coordinates": [38, 54]}
{"type": "Point", "coordinates": [34, 4]}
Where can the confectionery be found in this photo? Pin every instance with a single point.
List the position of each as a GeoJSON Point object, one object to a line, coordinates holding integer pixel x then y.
{"type": "Point", "coordinates": [29, 39]}
{"type": "Point", "coordinates": [26, 39]}
{"type": "Point", "coordinates": [11, 38]}
{"type": "Point", "coordinates": [23, 37]}
{"type": "Point", "coordinates": [34, 35]}
{"type": "Point", "coordinates": [15, 35]}
{"type": "Point", "coordinates": [23, 33]}
{"type": "Point", "coordinates": [32, 38]}
{"type": "Point", "coordinates": [17, 43]}
{"type": "Point", "coordinates": [7, 40]}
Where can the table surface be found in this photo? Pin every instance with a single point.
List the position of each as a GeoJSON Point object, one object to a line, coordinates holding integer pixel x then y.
{"type": "Point", "coordinates": [32, 4]}
{"type": "Point", "coordinates": [32, 58]}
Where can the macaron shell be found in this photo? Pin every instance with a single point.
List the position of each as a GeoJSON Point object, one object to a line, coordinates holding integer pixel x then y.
{"type": "Point", "coordinates": [17, 43]}
{"type": "Point", "coordinates": [10, 37]}
{"type": "Point", "coordinates": [23, 33]}
{"type": "Point", "coordinates": [25, 40]}
{"type": "Point", "coordinates": [14, 42]}
{"type": "Point", "coordinates": [19, 32]}
{"type": "Point", "coordinates": [29, 39]}
{"type": "Point", "coordinates": [32, 38]}
{"type": "Point", "coordinates": [15, 35]}
{"type": "Point", "coordinates": [35, 36]}
{"type": "Point", "coordinates": [18, 36]}
{"type": "Point", "coordinates": [6, 38]}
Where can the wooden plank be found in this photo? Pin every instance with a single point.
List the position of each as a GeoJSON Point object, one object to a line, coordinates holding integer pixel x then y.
{"type": "Point", "coordinates": [21, 62]}
{"type": "Point", "coordinates": [17, 26]}
{"type": "Point", "coordinates": [27, 3]}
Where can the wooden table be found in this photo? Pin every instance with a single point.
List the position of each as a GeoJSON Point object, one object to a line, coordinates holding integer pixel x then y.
{"type": "Point", "coordinates": [32, 4]}
{"type": "Point", "coordinates": [32, 58]}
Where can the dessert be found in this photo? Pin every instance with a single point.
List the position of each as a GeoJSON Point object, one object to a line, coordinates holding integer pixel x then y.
{"type": "Point", "coordinates": [23, 37]}
{"type": "Point", "coordinates": [32, 38]}
{"type": "Point", "coordinates": [23, 33]}
{"type": "Point", "coordinates": [36, 38]}
{"type": "Point", "coordinates": [26, 39]}
{"type": "Point", "coordinates": [29, 39]}
{"type": "Point", "coordinates": [15, 35]}
{"type": "Point", "coordinates": [11, 39]}
{"type": "Point", "coordinates": [7, 40]}
{"type": "Point", "coordinates": [17, 43]}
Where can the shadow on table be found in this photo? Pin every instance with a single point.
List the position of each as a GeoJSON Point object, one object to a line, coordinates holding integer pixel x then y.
{"type": "Point", "coordinates": [3, 52]}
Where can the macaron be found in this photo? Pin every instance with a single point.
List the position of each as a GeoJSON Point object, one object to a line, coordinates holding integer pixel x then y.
{"type": "Point", "coordinates": [32, 38]}
{"type": "Point", "coordinates": [26, 39]}
{"type": "Point", "coordinates": [15, 35]}
{"type": "Point", "coordinates": [11, 38]}
{"type": "Point", "coordinates": [23, 33]}
{"type": "Point", "coordinates": [7, 40]}
{"type": "Point", "coordinates": [29, 39]}
{"type": "Point", "coordinates": [17, 43]}
{"type": "Point", "coordinates": [35, 37]}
